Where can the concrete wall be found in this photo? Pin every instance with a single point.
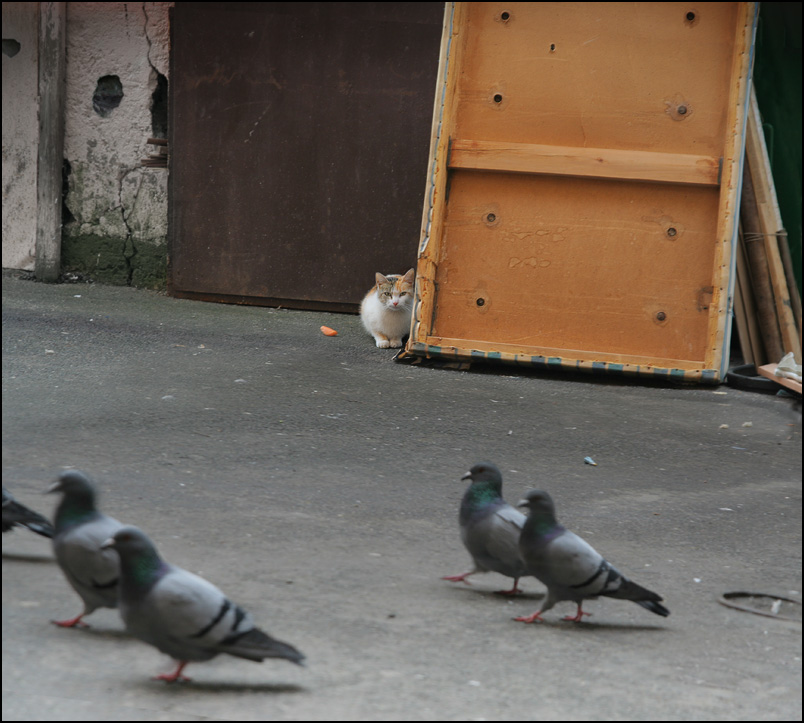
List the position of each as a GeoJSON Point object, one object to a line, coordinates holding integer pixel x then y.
{"type": "Point", "coordinates": [20, 132]}
{"type": "Point", "coordinates": [115, 212]}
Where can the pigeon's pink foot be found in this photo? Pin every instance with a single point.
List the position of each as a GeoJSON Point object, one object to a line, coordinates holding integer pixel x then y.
{"type": "Point", "coordinates": [174, 676]}
{"type": "Point", "coordinates": [577, 617]}
{"type": "Point", "coordinates": [530, 618]}
{"type": "Point", "coordinates": [458, 578]}
{"type": "Point", "coordinates": [72, 623]}
{"type": "Point", "coordinates": [513, 591]}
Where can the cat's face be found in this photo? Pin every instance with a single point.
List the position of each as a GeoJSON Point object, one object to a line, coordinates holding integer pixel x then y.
{"type": "Point", "coordinates": [395, 292]}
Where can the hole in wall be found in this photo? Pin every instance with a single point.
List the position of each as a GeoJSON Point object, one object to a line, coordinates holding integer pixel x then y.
{"type": "Point", "coordinates": [159, 107]}
{"type": "Point", "coordinates": [10, 47]}
{"type": "Point", "coordinates": [107, 96]}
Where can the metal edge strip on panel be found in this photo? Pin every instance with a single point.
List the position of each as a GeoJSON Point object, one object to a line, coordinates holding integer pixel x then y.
{"type": "Point", "coordinates": [700, 376]}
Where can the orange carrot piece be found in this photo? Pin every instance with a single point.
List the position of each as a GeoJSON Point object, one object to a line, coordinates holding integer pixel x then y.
{"type": "Point", "coordinates": [328, 332]}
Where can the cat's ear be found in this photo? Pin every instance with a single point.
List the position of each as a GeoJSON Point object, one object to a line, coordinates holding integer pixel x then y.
{"type": "Point", "coordinates": [379, 279]}
{"type": "Point", "coordinates": [410, 276]}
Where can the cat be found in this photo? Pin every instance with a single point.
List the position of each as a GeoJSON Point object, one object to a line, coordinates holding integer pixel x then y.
{"type": "Point", "coordinates": [386, 309]}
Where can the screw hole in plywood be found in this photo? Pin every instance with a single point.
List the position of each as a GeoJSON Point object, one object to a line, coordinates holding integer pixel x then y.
{"type": "Point", "coordinates": [490, 215]}
{"type": "Point", "coordinates": [497, 96]}
{"type": "Point", "coordinates": [677, 107]}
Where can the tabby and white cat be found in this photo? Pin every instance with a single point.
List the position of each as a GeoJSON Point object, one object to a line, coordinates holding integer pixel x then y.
{"type": "Point", "coordinates": [386, 309]}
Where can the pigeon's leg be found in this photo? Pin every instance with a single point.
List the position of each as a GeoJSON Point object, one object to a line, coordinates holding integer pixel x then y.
{"type": "Point", "coordinates": [531, 618]}
{"type": "Point", "coordinates": [175, 675]}
{"type": "Point", "coordinates": [71, 623]}
{"type": "Point", "coordinates": [513, 591]}
{"type": "Point", "coordinates": [460, 578]}
{"type": "Point", "coordinates": [578, 616]}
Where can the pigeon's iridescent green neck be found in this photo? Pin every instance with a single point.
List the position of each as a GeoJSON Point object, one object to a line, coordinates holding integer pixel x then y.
{"type": "Point", "coordinates": [74, 510]}
{"type": "Point", "coordinates": [543, 524]}
{"type": "Point", "coordinates": [481, 494]}
{"type": "Point", "coordinates": [143, 569]}
{"type": "Point", "coordinates": [479, 499]}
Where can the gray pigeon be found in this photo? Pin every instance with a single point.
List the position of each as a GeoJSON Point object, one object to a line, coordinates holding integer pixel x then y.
{"type": "Point", "coordinates": [182, 614]}
{"type": "Point", "coordinates": [569, 566]}
{"type": "Point", "coordinates": [80, 531]}
{"type": "Point", "coordinates": [490, 527]}
{"type": "Point", "coordinates": [15, 514]}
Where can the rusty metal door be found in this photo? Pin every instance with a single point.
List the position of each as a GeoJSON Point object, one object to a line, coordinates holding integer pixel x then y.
{"type": "Point", "coordinates": [298, 144]}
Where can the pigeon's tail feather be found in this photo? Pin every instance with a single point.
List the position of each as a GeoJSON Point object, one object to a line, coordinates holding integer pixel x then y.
{"type": "Point", "coordinates": [43, 528]}
{"type": "Point", "coordinates": [654, 607]}
{"type": "Point", "coordinates": [648, 599]}
{"type": "Point", "coordinates": [17, 514]}
{"type": "Point", "coordinates": [629, 590]}
{"type": "Point", "coordinates": [257, 645]}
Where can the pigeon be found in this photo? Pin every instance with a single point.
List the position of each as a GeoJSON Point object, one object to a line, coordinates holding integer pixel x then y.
{"type": "Point", "coordinates": [15, 514]}
{"type": "Point", "coordinates": [569, 566]}
{"type": "Point", "coordinates": [490, 527]}
{"type": "Point", "coordinates": [183, 615]}
{"type": "Point", "coordinates": [80, 531]}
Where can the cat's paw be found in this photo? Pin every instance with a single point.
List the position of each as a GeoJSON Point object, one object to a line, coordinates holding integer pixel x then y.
{"type": "Point", "coordinates": [383, 343]}
{"type": "Point", "coordinates": [395, 343]}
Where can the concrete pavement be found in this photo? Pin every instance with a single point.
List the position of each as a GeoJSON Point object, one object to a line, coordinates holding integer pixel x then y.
{"type": "Point", "coordinates": [317, 483]}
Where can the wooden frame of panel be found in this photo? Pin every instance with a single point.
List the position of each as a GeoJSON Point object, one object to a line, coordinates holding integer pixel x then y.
{"type": "Point", "coordinates": [582, 204]}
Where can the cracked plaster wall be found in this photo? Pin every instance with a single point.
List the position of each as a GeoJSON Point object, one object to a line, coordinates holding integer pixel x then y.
{"type": "Point", "coordinates": [20, 133]}
{"type": "Point", "coordinates": [115, 226]}
{"type": "Point", "coordinates": [115, 221]}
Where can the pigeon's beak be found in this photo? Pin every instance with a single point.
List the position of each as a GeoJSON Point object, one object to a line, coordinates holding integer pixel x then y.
{"type": "Point", "coordinates": [55, 487]}
{"type": "Point", "coordinates": [468, 475]}
{"type": "Point", "coordinates": [107, 544]}
{"type": "Point", "coordinates": [523, 503]}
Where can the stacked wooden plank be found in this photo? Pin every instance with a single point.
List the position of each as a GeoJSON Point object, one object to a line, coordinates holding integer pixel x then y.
{"type": "Point", "coordinates": [767, 304]}
{"type": "Point", "coordinates": [158, 159]}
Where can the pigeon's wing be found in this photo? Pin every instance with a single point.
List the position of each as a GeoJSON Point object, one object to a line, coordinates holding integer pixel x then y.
{"type": "Point", "coordinates": [191, 619]}
{"type": "Point", "coordinates": [195, 609]}
{"type": "Point", "coordinates": [569, 561]}
{"type": "Point", "coordinates": [92, 571]}
{"type": "Point", "coordinates": [577, 571]}
{"type": "Point", "coordinates": [494, 541]}
{"type": "Point", "coordinates": [15, 513]}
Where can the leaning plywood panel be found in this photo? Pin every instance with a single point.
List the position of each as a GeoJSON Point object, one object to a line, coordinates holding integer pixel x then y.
{"type": "Point", "coordinates": [581, 205]}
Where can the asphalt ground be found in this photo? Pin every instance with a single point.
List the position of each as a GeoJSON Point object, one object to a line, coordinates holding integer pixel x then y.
{"type": "Point", "coordinates": [317, 482]}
